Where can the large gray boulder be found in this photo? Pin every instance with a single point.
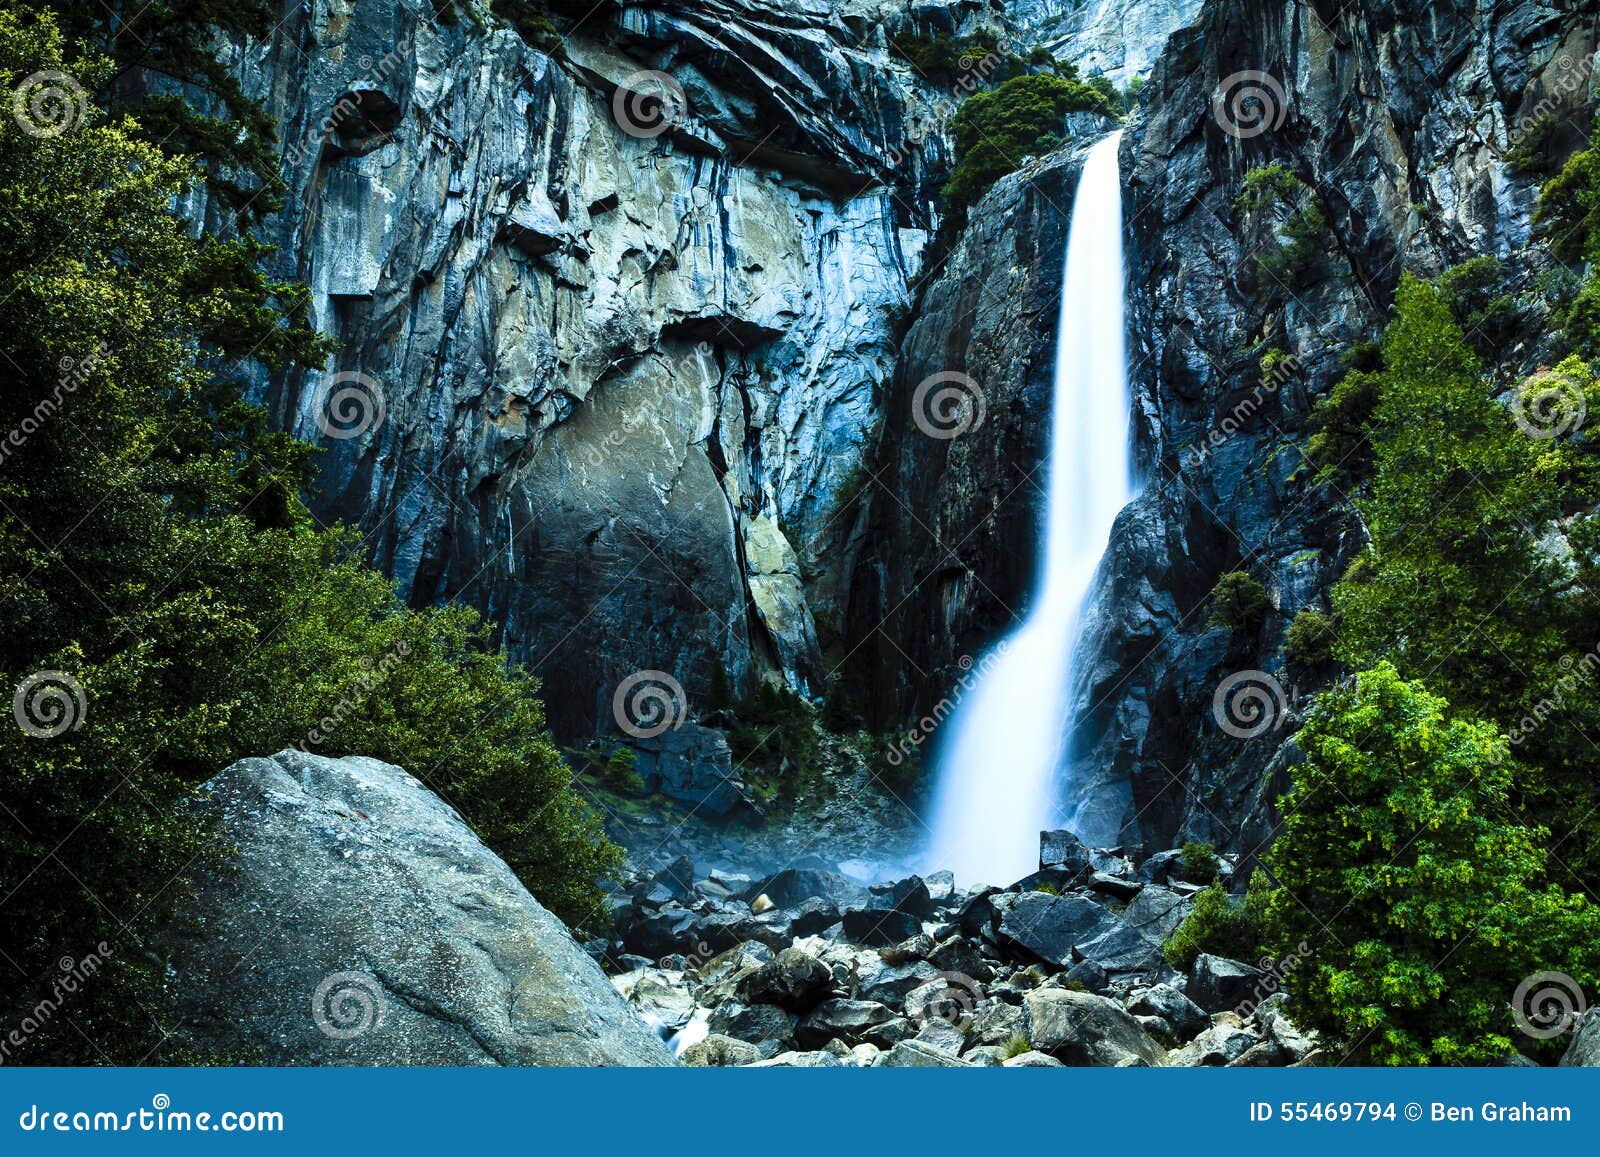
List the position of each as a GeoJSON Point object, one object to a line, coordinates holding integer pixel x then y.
{"type": "Point", "coordinates": [363, 923]}
{"type": "Point", "coordinates": [1083, 1029]}
{"type": "Point", "coordinates": [1585, 1047]}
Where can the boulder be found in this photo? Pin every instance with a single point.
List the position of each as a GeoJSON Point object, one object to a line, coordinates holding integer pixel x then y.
{"type": "Point", "coordinates": [942, 1034]}
{"type": "Point", "coordinates": [1221, 1044]}
{"type": "Point", "coordinates": [753, 1022]}
{"type": "Point", "coordinates": [1162, 866]}
{"type": "Point", "coordinates": [849, 1020]}
{"type": "Point", "coordinates": [821, 1059]}
{"type": "Point", "coordinates": [876, 979]}
{"type": "Point", "coordinates": [677, 879]}
{"type": "Point", "coordinates": [909, 895]}
{"type": "Point", "coordinates": [1218, 984]}
{"type": "Point", "coordinates": [941, 885]}
{"type": "Point", "coordinates": [794, 886]}
{"type": "Point", "coordinates": [1064, 851]}
{"type": "Point", "coordinates": [915, 1054]}
{"type": "Point", "coordinates": [717, 1052]}
{"type": "Point", "coordinates": [361, 922]}
{"type": "Point", "coordinates": [1046, 928]}
{"type": "Point", "coordinates": [1270, 1015]}
{"type": "Point", "coordinates": [794, 979]}
{"type": "Point", "coordinates": [1184, 1015]}
{"type": "Point", "coordinates": [1584, 1051]}
{"type": "Point", "coordinates": [1117, 887]}
{"type": "Point", "coordinates": [1083, 1029]}
{"type": "Point", "coordinates": [879, 928]}
{"type": "Point", "coordinates": [691, 764]}
{"type": "Point", "coordinates": [1032, 1060]}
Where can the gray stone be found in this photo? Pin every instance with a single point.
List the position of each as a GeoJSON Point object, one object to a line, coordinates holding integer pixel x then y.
{"type": "Point", "coordinates": [1584, 1051]}
{"type": "Point", "coordinates": [1083, 1029]}
{"type": "Point", "coordinates": [1184, 1015]}
{"type": "Point", "coordinates": [753, 1022]}
{"type": "Point", "coordinates": [849, 1020]}
{"type": "Point", "coordinates": [1032, 1060]}
{"type": "Point", "coordinates": [914, 1054]}
{"type": "Point", "coordinates": [1063, 851]}
{"type": "Point", "coordinates": [717, 1051]}
{"type": "Point", "coordinates": [794, 979]}
{"type": "Point", "coordinates": [363, 923]}
{"type": "Point", "coordinates": [821, 1059]}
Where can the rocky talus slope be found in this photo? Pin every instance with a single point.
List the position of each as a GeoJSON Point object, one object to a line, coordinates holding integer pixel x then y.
{"type": "Point", "coordinates": [362, 923]}
{"type": "Point", "coordinates": [808, 967]}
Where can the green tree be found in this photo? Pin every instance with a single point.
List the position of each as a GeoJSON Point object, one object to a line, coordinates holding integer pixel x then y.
{"type": "Point", "coordinates": [1423, 902]}
{"type": "Point", "coordinates": [154, 553]}
{"type": "Point", "coordinates": [1460, 584]}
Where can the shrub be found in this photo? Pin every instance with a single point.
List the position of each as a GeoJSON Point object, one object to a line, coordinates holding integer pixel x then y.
{"type": "Point", "coordinates": [995, 130]}
{"type": "Point", "coordinates": [1239, 604]}
{"type": "Point", "coordinates": [1295, 255]}
{"type": "Point", "coordinates": [1423, 903]}
{"type": "Point", "coordinates": [1221, 925]}
{"type": "Point", "coordinates": [1200, 863]}
{"type": "Point", "coordinates": [1311, 638]}
{"type": "Point", "coordinates": [1015, 1046]}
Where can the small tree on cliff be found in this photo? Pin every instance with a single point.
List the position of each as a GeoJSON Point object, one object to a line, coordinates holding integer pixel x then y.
{"type": "Point", "coordinates": [1423, 903]}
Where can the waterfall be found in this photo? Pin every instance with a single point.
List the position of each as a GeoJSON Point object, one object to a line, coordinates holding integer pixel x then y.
{"type": "Point", "coordinates": [999, 759]}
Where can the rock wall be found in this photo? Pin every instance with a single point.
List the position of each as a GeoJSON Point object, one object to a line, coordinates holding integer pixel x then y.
{"type": "Point", "coordinates": [1120, 39]}
{"type": "Point", "coordinates": [627, 350]}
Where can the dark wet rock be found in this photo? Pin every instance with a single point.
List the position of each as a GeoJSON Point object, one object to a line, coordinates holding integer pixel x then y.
{"type": "Point", "coordinates": [879, 928]}
{"type": "Point", "coordinates": [1047, 928]}
{"type": "Point", "coordinates": [755, 1022]}
{"type": "Point", "coordinates": [1217, 984]}
{"type": "Point", "coordinates": [849, 1020]}
{"type": "Point", "coordinates": [792, 887]}
{"type": "Point", "coordinates": [794, 980]}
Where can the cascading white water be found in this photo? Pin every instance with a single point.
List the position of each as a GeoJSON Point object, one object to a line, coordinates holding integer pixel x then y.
{"type": "Point", "coordinates": [999, 758]}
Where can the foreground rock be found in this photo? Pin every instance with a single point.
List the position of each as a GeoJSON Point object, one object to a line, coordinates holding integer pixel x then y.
{"type": "Point", "coordinates": [363, 923]}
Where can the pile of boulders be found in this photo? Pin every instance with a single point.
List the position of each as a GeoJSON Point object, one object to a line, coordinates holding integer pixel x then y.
{"type": "Point", "coordinates": [810, 967]}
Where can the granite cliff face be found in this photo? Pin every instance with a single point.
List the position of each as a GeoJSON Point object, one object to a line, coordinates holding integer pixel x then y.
{"type": "Point", "coordinates": [1397, 119]}
{"type": "Point", "coordinates": [626, 349]}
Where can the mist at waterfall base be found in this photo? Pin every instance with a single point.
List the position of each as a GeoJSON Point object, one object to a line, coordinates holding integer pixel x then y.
{"type": "Point", "coordinates": [1002, 748]}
